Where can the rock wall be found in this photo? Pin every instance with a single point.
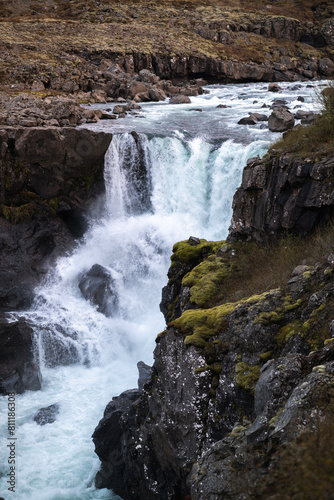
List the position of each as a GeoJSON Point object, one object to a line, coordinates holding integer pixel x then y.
{"type": "Point", "coordinates": [280, 194]}
{"type": "Point", "coordinates": [48, 177]}
{"type": "Point", "coordinates": [230, 386]}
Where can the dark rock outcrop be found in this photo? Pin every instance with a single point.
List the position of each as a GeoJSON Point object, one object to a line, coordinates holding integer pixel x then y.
{"type": "Point", "coordinates": [229, 387]}
{"type": "Point", "coordinates": [280, 194]}
{"type": "Point", "coordinates": [47, 415]}
{"type": "Point", "coordinates": [48, 177]}
{"type": "Point", "coordinates": [19, 371]}
{"type": "Point", "coordinates": [97, 286]}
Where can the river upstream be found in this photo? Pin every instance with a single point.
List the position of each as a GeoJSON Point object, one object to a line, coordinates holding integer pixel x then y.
{"type": "Point", "coordinates": [193, 156]}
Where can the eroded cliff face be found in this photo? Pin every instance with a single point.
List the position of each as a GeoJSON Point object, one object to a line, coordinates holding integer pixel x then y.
{"type": "Point", "coordinates": [230, 385]}
{"type": "Point", "coordinates": [237, 376]}
{"type": "Point", "coordinates": [49, 177]}
{"type": "Point", "coordinates": [280, 194]}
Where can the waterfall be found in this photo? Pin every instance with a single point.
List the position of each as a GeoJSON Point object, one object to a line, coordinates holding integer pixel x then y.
{"type": "Point", "coordinates": [159, 190]}
{"type": "Point", "coordinates": [163, 185]}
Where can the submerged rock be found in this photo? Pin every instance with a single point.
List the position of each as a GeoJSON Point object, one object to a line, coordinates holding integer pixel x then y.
{"type": "Point", "coordinates": [97, 286]}
{"type": "Point", "coordinates": [47, 415]}
{"type": "Point", "coordinates": [19, 371]}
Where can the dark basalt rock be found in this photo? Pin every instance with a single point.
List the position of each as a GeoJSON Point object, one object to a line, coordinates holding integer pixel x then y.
{"type": "Point", "coordinates": [18, 370]}
{"type": "Point", "coordinates": [145, 372]}
{"type": "Point", "coordinates": [217, 405]}
{"type": "Point", "coordinates": [282, 194]}
{"type": "Point", "coordinates": [97, 286]}
{"type": "Point", "coordinates": [49, 177]}
{"type": "Point", "coordinates": [47, 415]}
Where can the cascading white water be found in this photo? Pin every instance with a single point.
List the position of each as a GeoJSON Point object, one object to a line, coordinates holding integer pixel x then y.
{"type": "Point", "coordinates": [159, 190]}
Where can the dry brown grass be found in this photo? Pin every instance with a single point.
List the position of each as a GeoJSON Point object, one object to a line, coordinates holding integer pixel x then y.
{"type": "Point", "coordinates": [35, 31]}
{"type": "Point", "coordinates": [262, 268]}
{"type": "Point", "coordinates": [316, 140]}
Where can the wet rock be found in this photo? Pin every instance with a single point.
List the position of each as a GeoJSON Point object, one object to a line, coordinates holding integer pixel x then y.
{"type": "Point", "coordinates": [145, 372]}
{"type": "Point", "coordinates": [107, 444]}
{"type": "Point", "coordinates": [274, 87]}
{"type": "Point", "coordinates": [280, 120]}
{"type": "Point", "coordinates": [248, 120]}
{"type": "Point", "coordinates": [47, 415]}
{"type": "Point", "coordinates": [97, 286]}
{"type": "Point", "coordinates": [179, 99]}
{"type": "Point", "coordinates": [19, 371]}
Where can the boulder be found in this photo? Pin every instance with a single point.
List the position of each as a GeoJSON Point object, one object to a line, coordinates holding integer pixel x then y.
{"type": "Point", "coordinates": [136, 87]}
{"type": "Point", "coordinates": [280, 120]}
{"type": "Point", "coordinates": [107, 444]}
{"type": "Point", "coordinates": [147, 76]}
{"type": "Point", "coordinates": [274, 87]}
{"type": "Point", "coordinates": [97, 286]}
{"type": "Point", "coordinates": [157, 95]}
{"type": "Point", "coordinates": [18, 369]}
{"type": "Point", "coordinates": [47, 415]}
{"type": "Point", "coordinates": [248, 120]}
{"type": "Point", "coordinates": [179, 99]}
{"type": "Point", "coordinates": [120, 109]}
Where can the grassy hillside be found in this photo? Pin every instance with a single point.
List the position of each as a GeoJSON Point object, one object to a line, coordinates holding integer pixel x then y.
{"type": "Point", "coordinates": [45, 32]}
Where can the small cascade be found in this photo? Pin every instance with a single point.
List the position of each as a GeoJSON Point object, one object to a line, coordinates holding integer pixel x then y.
{"type": "Point", "coordinates": [128, 176]}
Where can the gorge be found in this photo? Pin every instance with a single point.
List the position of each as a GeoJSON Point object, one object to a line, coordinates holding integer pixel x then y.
{"type": "Point", "coordinates": [187, 181]}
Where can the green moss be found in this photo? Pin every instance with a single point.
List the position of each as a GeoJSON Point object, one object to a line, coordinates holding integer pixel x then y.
{"type": "Point", "coordinates": [18, 214]}
{"type": "Point", "coordinates": [188, 254]}
{"type": "Point", "coordinates": [54, 204]}
{"type": "Point", "coordinates": [287, 331]}
{"type": "Point", "coordinates": [237, 430]}
{"type": "Point", "coordinates": [205, 279]}
{"type": "Point", "coordinates": [247, 376]}
{"type": "Point", "coordinates": [268, 317]}
{"type": "Point", "coordinates": [200, 324]}
{"type": "Point", "coordinates": [160, 336]}
{"type": "Point", "coordinates": [278, 315]}
{"type": "Point", "coordinates": [265, 356]}
{"type": "Point", "coordinates": [276, 417]}
{"type": "Point", "coordinates": [307, 274]}
{"type": "Point", "coordinates": [216, 368]}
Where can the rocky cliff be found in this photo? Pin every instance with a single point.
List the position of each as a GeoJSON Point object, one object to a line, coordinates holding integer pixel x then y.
{"type": "Point", "coordinates": [242, 381]}
{"type": "Point", "coordinates": [48, 178]}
